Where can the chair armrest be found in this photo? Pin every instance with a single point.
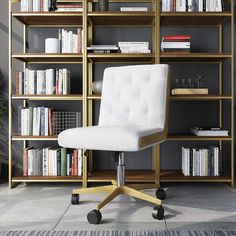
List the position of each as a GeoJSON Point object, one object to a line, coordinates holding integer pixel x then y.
{"type": "Point", "coordinates": [152, 139]}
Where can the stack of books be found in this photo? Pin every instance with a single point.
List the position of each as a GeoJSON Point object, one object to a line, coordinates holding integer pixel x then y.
{"type": "Point", "coordinates": [35, 5]}
{"type": "Point", "coordinates": [135, 9]}
{"type": "Point", "coordinates": [43, 82]}
{"type": "Point", "coordinates": [51, 161]}
{"type": "Point", "coordinates": [102, 49]}
{"type": "Point", "coordinates": [40, 121]}
{"type": "Point", "coordinates": [70, 42]}
{"type": "Point", "coordinates": [69, 7]}
{"type": "Point", "coordinates": [201, 162]}
{"type": "Point", "coordinates": [192, 5]}
{"type": "Point", "coordinates": [176, 43]}
{"type": "Point", "coordinates": [134, 47]}
{"type": "Point", "coordinates": [209, 131]}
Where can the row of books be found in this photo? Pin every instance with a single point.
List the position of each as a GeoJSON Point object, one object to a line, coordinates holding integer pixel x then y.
{"type": "Point", "coordinates": [43, 121]}
{"type": "Point", "coordinates": [43, 82]}
{"type": "Point", "coordinates": [69, 7]}
{"type": "Point", "coordinates": [70, 42]}
{"type": "Point", "coordinates": [123, 47]}
{"type": "Point", "coordinates": [36, 5]}
{"type": "Point", "coordinates": [201, 162]}
{"type": "Point", "coordinates": [177, 43]}
{"type": "Point", "coordinates": [192, 5]}
{"type": "Point", "coordinates": [51, 161]}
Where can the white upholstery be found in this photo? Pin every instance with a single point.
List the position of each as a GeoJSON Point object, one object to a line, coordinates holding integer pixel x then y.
{"type": "Point", "coordinates": [133, 105]}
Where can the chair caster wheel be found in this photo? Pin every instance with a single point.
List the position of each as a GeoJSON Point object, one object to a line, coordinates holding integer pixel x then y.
{"type": "Point", "coordinates": [161, 194]}
{"type": "Point", "coordinates": [75, 199]}
{"type": "Point", "coordinates": [94, 217]}
{"type": "Point", "coordinates": [158, 212]}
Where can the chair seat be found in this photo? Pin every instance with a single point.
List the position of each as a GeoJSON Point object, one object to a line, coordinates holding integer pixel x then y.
{"type": "Point", "coordinates": [109, 138]}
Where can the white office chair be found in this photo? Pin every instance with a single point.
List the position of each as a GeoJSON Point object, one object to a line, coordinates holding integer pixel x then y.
{"type": "Point", "coordinates": [133, 116]}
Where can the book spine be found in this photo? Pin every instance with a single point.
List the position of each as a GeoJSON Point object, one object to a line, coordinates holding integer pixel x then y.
{"type": "Point", "coordinates": [50, 121]}
{"type": "Point", "coordinates": [80, 162]}
{"type": "Point", "coordinates": [58, 163]}
{"type": "Point", "coordinates": [75, 154]}
{"type": "Point", "coordinates": [25, 162]}
{"type": "Point", "coordinates": [190, 5]}
{"type": "Point", "coordinates": [63, 162]}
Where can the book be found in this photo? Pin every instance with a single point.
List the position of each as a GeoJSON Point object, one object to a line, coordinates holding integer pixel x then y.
{"type": "Point", "coordinates": [180, 6]}
{"type": "Point", "coordinates": [63, 162]}
{"type": "Point", "coordinates": [138, 9]}
{"type": "Point", "coordinates": [189, 91]}
{"type": "Point", "coordinates": [167, 5]}
{"type": "Point", "coordinates": [209, 131]}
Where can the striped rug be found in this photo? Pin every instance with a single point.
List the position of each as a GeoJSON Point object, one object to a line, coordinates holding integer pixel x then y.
{"type": "Point", "coordinates": [119, 233]}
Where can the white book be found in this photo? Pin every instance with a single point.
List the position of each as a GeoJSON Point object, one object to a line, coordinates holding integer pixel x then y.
{"type": "Point", "coordinates": [60, 82]}
{"type": "Point", "coordinates": [175, 44]}
{"type": "Point", "coordinates": [142, 9]}
{"type": "Point", "coordinates": [30, 162]}
{"type": "Point", "coordinates": [80, 162]}
{"type": "Point", "coordinates": [135, 51]}
{"type": "Point", "coordinates": [200, 5]}
{"type": "Point", "coordinates": [45, 164]}
{"type": "Point", "coordinates": [167, 5]}
{"type": "Point", "coordinates": [63, 39]}
{"type": "Point", "coordinates": [218, 5]}
{"type": "Point", "coordinates": [70, 42]}
{"type": "Point", "coordinates": [46, 5]}
{"type": "Point", "coordinates": [26, 81]}
{"type": "Point", "coordinates": [26, 120]}
{"type": "Point", "coordinates": [23, 5]}
{"type": "Point", "coordinates": [75, 44]}
{"type": "Point", "coordinates": [68, 164]}
{"type": "Point", "coordinates": [216, 161]}
{"type": "Point", "coordinates": [46, 121]}
{"type": "Point", "coordinates": [64, 81]}
{"type": "Point", "coordinates": [40, 82]}
{"type": "Point", "coordinates": [182, 5]}
{"type": "Point", "coordinates": [67, 9]}
{"type": "Point", "coordinates": [194, 162]}
{"type": "Point", "coordinates": [20, 83]}
{"type": "Point", "coordinates": [197, 163]}
{"type": "Point", "coordinates": [36, 5]}
{"type": "Point", "coordinates": [39, 120]}
{"type": "Point", "coordinates": [133, 44]}
{"type": "Point", "coordinates": [190, 6]}
{"type": "Point", "coordinates": [22, 121]}
{"type": "Point", "coordinates": [50, 85]}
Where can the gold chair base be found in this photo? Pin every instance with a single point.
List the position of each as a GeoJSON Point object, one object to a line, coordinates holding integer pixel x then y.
{"type": "Point", "coordinates": [114, 191]}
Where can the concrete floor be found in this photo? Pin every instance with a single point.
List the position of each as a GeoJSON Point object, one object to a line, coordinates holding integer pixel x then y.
{"type": "Point", "coordinates": [47, 207]}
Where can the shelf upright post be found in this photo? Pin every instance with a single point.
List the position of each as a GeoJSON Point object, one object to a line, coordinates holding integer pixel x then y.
{"type": "Point", "coordinates": [10, 91]}
{"type": "Point", "coordinates": [156, 47]}
{"type": "Point", "coordinates": [85, 72]}
{"type": "Point", "coordinates": [90, 81]}
{"type": "Point", "coordinates": [220, 80]}
{"type": "Point", "coordinates": [232, 94]}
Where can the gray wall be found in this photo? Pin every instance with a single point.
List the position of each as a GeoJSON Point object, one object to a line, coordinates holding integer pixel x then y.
{"type": "Point", "coordinates": [183, 114]}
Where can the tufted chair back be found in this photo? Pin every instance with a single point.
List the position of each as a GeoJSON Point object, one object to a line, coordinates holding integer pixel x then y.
{"type": "Point", "coordinates": [135, 95]}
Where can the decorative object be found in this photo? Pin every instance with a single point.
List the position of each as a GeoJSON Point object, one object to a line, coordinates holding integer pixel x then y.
{"type": "Point", "coordinates": [97, 87]}
{"type": "Point", "coordinates": [103, 5]}
{"type": "Point", "coordinates": [52, 45]}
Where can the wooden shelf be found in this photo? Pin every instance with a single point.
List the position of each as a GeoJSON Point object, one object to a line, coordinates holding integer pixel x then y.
{"type": "Point", "coordinates": [34, 138]}
{"type": "Point", "coordinates": [70, 97]}
{"type": "Point", "coordinates": [180, 97]}
{"type": "Point", "coordinates": [190, 137]}
{"type": "Point", "coordinates": [49, 57]}
{"type": "Point", "coordinates": [194, 57]}
{"type": "Point", "coordinates": [49, 18]}
{"type": "Point", "coordinates": [131, 176]}
{"type": "Point", "coordinates": [200, 97]}
{"type": "Point", "coordinates": [177, 176]}
{"type": "Point", "coordinates": [121, 57]}
{"type": "Point", "coordinates": [47, 179]}
{"type": "Point", "coordinates": [122, 18]}
{"type": "Point", "coordinates": [194, 18]}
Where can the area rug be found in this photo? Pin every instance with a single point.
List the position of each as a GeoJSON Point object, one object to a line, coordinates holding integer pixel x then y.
{"type": "Point", "coordinates": [120, 233]}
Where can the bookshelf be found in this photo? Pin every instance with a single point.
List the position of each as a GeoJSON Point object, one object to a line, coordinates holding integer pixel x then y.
{"type": "Point", "coordinates": [154, 20]}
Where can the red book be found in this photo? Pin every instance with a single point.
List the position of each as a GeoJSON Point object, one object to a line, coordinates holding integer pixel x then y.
{"type": "Point", "coordinates": [177, 37]}
{"type": "Point", "coordinates": [25, 161]}
{"type": "Point", "coordinates": [75, 155]}
{"type": "Point", "coordinates": [79, 37]}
